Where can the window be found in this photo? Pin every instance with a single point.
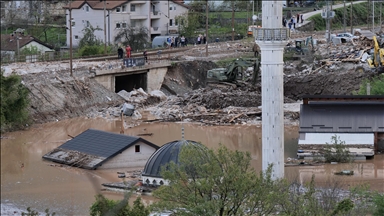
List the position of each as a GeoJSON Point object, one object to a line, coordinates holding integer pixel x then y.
{"type": "Point", "coordinates": [73, 23]}
{"type": "Point", "coordinates": [118, 10]}
{"type": "Point", "coordinates": [88, 24]}
{"type": "Point", "coordinates": [137, 148]}
{"type": "Point", "coordinates": [170, 22]}
{"type": "Point", "coordinates": [123, 8]}
{"type": "Point", "coordinates": [133, 8]}
{"type": "Point", "coordinates": [176, 22]}
{"type": "Point", "coordinates": [170, 7]}
{"type": "Point", "coordinates": [87, 8]}
{"type": "Point", "coordinates": [182, 22]}
{"type": "Point", "coordinates": [76, 37]}
{"type": "Point", "coordinates": [174, 7]}
{"type": "Point", "coordinates": [124, 25]}
{"type": "Point", "coordinates": [133, 23]}
{"type": "Point", "coordinates": [118, 25]}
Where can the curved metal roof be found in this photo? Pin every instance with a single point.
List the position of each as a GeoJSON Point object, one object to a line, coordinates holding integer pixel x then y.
{"type": "Point", "coordinates": [167, 153]}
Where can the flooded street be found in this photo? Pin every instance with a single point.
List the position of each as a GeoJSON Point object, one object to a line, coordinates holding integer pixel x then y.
{"type": "Point", "coordinates": [28, 180]}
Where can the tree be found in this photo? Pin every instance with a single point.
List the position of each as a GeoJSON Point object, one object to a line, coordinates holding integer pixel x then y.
{"type": "Point", "coordinates": [222, 182]}
{"type": "Point", "coordinates": [104, 206]}
{"type": "Point", "coordinates": [89, 37]}
{"type": "Point", "coordinates": [13, 102]}
{"type": "Point", "coordinates": [234, 5]}
{"type": "Point", "coordinates": [337, 151]}
{"type": "Point", "coordinates": [136, 37]}
{"type": "Point", "coordinates": [376, 83]}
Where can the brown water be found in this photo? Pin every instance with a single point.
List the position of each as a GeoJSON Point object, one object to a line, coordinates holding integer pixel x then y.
{"type": "Point", "coordinates": [28, 180]}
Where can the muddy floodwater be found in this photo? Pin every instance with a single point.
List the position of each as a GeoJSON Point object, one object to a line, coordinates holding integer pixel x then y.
{"type": "Point", "coordinates": [28, 180]}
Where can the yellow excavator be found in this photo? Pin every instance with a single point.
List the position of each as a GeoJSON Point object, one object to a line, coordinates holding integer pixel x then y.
{"type": "Point", "coordinates": [377, 60]}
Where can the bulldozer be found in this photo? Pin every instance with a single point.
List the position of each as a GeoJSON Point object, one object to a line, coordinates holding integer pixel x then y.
{"type": "Point", "coordinates": [234, 71]}
{"type": "Point", "coordinates": [302, 47]}
{"type": "Point", "coordinates": [377, 59]}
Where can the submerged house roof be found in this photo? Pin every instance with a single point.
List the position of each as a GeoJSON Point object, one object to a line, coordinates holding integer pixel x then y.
{"type": "Point", "coordinates": [342, 114]}
{"type": "Point", "coordinates": [92, 148]}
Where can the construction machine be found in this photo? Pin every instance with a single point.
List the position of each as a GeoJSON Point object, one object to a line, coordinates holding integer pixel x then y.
{"type": "Point", "coordinates": [234, 71]}
{"type": "Point", "coordinates": [377, 59]}
{"type": "Point", "coordinates": [302, 47]}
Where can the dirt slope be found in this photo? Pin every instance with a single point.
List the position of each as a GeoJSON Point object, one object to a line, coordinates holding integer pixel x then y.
{"type": "Point", "coordinates": [54, 96]}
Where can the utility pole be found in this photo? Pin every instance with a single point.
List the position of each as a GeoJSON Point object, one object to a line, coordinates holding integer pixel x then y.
{"type": "Point", "coordinates": [70, 37]}
{"type": "Point", "coordinates": [233, 21]}
{"type": "Point", "coordinates": [373, 16]}
{"type": "Point", "coordinates": [105, 30]}
{"type": "Point", "coordinates": [168, 20]}
{"type": "Point", "coordinates": [253, 11]}
{"type": "Point", "coordinates": [381, 7]}
{"type": "Point", "coordinates": [351, 17]}
{"type": "Point", "coordinates": [344, 24]}
{"type": "Point", "coordinates": [328, 24]}
{"type": "Point", "coordinates": [206, 30]}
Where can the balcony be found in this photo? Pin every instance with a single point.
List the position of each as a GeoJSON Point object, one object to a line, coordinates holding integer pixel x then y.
{"type": "Point", "coordinates": [155, 30]}
{"type": "Point", "coordinates": [270, 34]}
{"type": "Point", "coordinates": [139, 17]}
{"type": "Point", "coordinates": [155, 15]}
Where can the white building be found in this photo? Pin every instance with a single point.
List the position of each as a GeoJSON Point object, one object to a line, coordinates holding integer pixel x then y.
{"type": "Point", "coordinates": [157, 16]}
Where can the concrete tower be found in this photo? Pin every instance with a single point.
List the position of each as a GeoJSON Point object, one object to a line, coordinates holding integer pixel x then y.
{"type": "Point", "coordinates": [272, 38]}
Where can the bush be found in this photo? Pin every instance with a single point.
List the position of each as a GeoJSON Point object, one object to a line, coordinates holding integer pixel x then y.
{"type": "Point", "coordinates": [88, 50]}
{"type": "Point", "coordinates": [378, 200]}
{"type": "Point", "coordinates": [104, 206]}
{"type": "Point", "coordinates": [377, 86]}
{"type": "Point", "coordinates": [337, 151]}
{"type": "Point", "coordinates": [14, 102]}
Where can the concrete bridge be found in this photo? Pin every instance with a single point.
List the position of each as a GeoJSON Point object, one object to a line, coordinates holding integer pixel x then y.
{"type": "Point", "coordinates": [149, 77]}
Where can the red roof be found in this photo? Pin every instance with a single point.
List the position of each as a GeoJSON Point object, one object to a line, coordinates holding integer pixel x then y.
{"type": "Point", "coordinates": [9, 42]}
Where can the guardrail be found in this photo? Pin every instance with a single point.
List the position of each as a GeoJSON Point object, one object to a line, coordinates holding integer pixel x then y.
{"type": "Point", "coordinates": [271, 34]}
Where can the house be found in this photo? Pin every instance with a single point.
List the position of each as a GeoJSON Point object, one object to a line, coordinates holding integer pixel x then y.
{"type": "Point", "coordinates": [159, 17]}
{"type": "Point", "coordinates": [14, 44]}
{"type": "Point", "coordinates": [357, 120]}
{"type": "Point", "coordinates": [94, 148]}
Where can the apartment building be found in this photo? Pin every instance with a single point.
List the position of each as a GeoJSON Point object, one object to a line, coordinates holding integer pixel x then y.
{"type": "Point", "coordinates": [158, 16]}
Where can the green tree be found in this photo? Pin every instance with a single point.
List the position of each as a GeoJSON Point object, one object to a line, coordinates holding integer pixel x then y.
{"type": "Point", "coordinates": [234, 5]}
{"type": "Point", "coordinates": [89, 37]}
{"type": "Point", "coordinates": [222, 182]}
{"type": "Point", "coordinates": [13, 102]}
{"type": "Point", "coordinates": [337, 151]}
{"type": "Point", "coordinates": [378, 200]}
{"type": "Point", "coordinates": [136, 37]}
{"type": "Point", "coordinates": [31, 50]}
{"type": "Point", "coordinates": [104, 206]}
{"type": "Point", "coordinates": [376, 83]}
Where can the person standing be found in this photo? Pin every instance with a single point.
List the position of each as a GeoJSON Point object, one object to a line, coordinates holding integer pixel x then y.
{"type": "Point", "coordinates": [145, 54]}
{"type": "Point", "coordinates": [182, 40]}
{"type": "Point", "coordinates": [128, 51]}
{"type": "Point", "coordinates": [199, 39]}
{"type": "Point", "coordinates": [297, 18]}
{"type": "Point", "coordinates": [294, 23]}
{"type": "Point", "coordinates": [204, 39]}
{"type": "Point", "coordinates": [302, 19]}
{"type": "Point", "coordinates": [173, 42]}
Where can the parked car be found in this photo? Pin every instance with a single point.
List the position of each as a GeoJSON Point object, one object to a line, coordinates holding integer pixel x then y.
{"type": "Point", "coordinates": [309, 3]}
{"type": "Point", "coordinates": [347, 36]}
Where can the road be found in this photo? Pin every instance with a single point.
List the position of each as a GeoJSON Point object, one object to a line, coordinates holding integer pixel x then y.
{"type": "Point", "coordinates": [309, 14]}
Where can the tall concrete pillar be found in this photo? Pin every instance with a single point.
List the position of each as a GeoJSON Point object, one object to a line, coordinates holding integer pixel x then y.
{"type": "Point", "coordinates": [272, 38]}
